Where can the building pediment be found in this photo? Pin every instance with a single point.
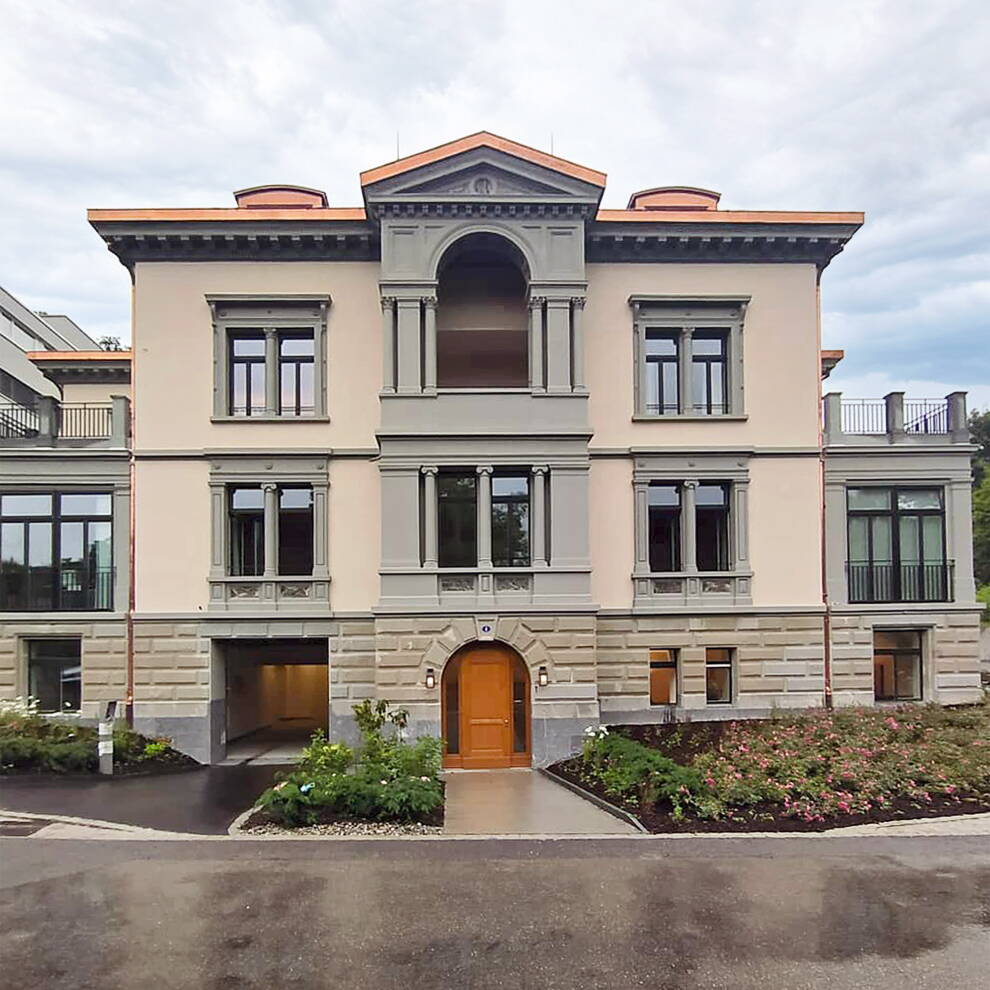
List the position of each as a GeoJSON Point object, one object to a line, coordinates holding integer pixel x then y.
{"type": "Point", "coordinates": [481, 170]}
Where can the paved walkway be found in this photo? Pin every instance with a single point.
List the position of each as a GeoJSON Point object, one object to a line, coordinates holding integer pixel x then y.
{"type": "Point", "coordinates": [521, 802]}
{"type": "Point", "coordinates": [204, 801]}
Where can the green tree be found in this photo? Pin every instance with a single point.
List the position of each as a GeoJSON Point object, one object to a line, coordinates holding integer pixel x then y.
{"type": "Point", "coordinates": [979, 428]}
{"type": "Point", "coordinates": [981, 531]}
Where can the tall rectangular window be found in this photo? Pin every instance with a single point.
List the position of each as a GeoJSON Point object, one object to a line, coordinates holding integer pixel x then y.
{"type": "Point", "coordinates": [457, 519]}
{"type": "Point", "coordinates": [295, 372]}
{"type": "Point", "coordinates": [510, 520]}
{"type": "Point", "coordinates": [897, 665]}
{"type": "Point", "coordinates": [712, 527]}
{"type": "Point", "coordinates": [663, 677]}
{"type": "Point", "coordinates": [662, 392]}
{"type": "Point", "coordinates": [247, 373]}
{"type": "Point", "coordinates": [718, 676]}
{"type": "Point", "coordinates": [709, 372]}
{"type": "Point", "coordinates": [246, 519]}
{"type": "Point", "coordinates": [55, 674]}
{"type": "Point", "coordinates": [664, 509]}
{"type": "Point", "coordinates": [56, 551]}
{"type": "Point", "coordinates": [896, 545]}
{"type": "Point", "coordinates": [295, 530]}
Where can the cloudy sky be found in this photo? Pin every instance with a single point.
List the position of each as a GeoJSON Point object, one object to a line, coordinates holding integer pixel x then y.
{"type": "Point", "coordinates": [850, 105]}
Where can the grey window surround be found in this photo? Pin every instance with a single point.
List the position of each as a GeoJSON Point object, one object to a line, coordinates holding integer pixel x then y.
{"type": "Point", "coordinates": [269, 313]}
{"type": "Point", "coordinates": [689, 586]}
{"type": "Point", "coordinates": [409, 346]}
{"type": "Point", "coordinates": [684, 315]}
{"type": "Point", "coordinates": [269, 591]}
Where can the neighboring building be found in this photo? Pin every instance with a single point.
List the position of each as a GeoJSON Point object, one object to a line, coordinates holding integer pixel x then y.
{"type": "Point", "coordinates": [515, 462]}
{"type": "Point", "coordinates": [64, 512]}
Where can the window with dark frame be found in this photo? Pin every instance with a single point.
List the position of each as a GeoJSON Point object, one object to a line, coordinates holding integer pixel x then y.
{"type": "Point", "coordinates": [662, 370]}
{"type": "Point", "coordinates": [295, 530]}
{"type": "Point", "coordinates": [510, 520]}
{"type": "Point", "coordinates": [896, 545]}
{"type": "Point", "coordinates": [56, 551]}
{"type": "Point", "coordinates": [897, 665]}
{"type": "Point", "coordinates": [718, 676]}
{"type": "Point", "coordinates": [246, 519]}
{"type": "Point", "coordinates": [55, 674]}
{"type": "Point", "coordinates": [663, 677]}
{"type": "Point", "coordinates": [296, 373]}
{"type": "Point", "coordinates": [664, 510]}
{"type": "Point", "coordinates": [712, 527]}
{"type": "Point", "coordinates": [709, 372]}
{"type": "Point", "coordinates": [247, 373]}
{"type": "Point", "coordinates": [457, 519]}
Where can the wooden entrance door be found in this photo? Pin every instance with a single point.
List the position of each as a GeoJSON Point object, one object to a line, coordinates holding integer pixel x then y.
{"type": "Point", "coordinates": [492, 693]}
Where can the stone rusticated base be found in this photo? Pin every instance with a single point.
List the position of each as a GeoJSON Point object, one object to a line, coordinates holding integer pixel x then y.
{"type": "Point", "coordinates": [951, 664]}
{"type": "Point", "coordinates": [104, 656]}
{"type": "Point", "coordinates": [779, 664]}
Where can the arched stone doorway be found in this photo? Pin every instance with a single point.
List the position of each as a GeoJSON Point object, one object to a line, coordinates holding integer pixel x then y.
{"type": "Point", "coordinates": [485, 701]}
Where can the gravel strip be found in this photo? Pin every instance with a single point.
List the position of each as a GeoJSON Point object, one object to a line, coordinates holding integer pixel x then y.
{"type": "Point", "coordinates": [345, 828]}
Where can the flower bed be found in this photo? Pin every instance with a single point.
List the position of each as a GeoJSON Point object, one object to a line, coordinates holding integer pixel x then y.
{"type": "Point", "coordinates": [808, 771]}
{"type": "Point", "coordinates": [32, 743]}
{"type": "Point", "coordinates": [385, 780]}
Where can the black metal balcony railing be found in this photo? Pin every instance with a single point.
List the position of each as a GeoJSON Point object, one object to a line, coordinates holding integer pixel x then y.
{"type": "Point", "coordinates": [84, 420]}
{"type": "Point", "coordinates": [864, 417]}
{"type": "Point", "coordinates": [17, 421]}
{"type": "Point", "coordinates": [870, 583]}
{"type": "Point", "coordinates": [72, 587]}
{"type": "Point", "coordinates": [926, 416]}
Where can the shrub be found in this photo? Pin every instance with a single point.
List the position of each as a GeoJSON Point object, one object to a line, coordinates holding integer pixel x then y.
{"type": "Point", "coordinates": [387, 779]}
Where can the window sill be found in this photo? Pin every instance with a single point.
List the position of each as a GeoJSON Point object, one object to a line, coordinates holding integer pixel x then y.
{"type": "Point", "coordinates": [685, 418]}
{"type": "Point", "coordinates": [269, 419]}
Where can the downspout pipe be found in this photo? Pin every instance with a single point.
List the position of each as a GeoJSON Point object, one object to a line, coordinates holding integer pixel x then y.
{"type": "Point", "coordinates": [131, 538]}
{"type": "Point", "coordinates": [826, 603]}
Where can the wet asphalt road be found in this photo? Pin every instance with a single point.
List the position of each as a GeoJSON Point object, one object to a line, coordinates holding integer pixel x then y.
{"type": "Point", "coordinates": [203, 801]}
{"type": "Point", "coordinates": [741, 913]}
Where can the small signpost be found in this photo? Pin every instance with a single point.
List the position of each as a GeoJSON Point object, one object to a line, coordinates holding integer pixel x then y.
{"type": "Point", "coordinates": [104, 746]}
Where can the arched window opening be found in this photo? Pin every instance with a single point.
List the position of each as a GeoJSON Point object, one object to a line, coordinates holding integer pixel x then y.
{"type": "Point", "coordinates": [482, 316]}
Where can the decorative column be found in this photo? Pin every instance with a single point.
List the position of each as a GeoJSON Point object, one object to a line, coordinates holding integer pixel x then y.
{"type": "Point", "coordinates": [641, 505]}
{"type": "Point", "coordinates": [536, 344]}
{"type": "Point", "coordinates": [271, 372]}
{"type": "Point", "coordinates": [685, 400]}
{"type": "Point", "coordinates": [388, 343]}
{"type": "Point", "coordinates": [430, 548]}
{"type": "Point", "coordinates": [689, 548]}
{"type": "Point", "coordinates": [485, 516]}
{"type": "Point", "coordinates": [739, 517]}
{"type": "Point", "coordinates": [321, 515]}
{"type": "Point", "coordinates": [539, 509]}
{"type": "Point", "coordinates": [577, 344]}
{"type": "Point", "coordinates": [558, 344]}
{"type": "Point", "coordinates": [430, 344]}
{"type": "Point", "coordinates": [271, 529]}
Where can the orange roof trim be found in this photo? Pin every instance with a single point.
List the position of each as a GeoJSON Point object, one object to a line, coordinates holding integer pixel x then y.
{"type": "Point", "coordinates": [225, 213]}
{"type": "Point", "coordinates": [60, 356]}
{"type": "Point", "coordinates": [483, 139]}
{"type": "Point", "coordinates": [724, 216]}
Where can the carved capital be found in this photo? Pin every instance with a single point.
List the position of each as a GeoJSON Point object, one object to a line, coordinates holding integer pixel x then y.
{"type": "Point", "coordinates": [430, 302]}
{"type": "Point", "coordinates": [690, 484]}
{"type": "Point", "coordinates": [535, 302]}
{"type": "Point", "coordinates": [540, 469]}
{"type": "Point", "coordinates": [484, 469]}
{"type": "Point", "coordinates": [388, 303]}
{"type": "Point", "coordinates": [578, 302]}
{"type": "Point", "coordinates": [429, 469]}
{"type": "Point", "coordinates": [269, 486]}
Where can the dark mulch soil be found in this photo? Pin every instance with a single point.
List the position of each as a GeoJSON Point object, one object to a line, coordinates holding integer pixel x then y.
{"type": "Point", "coordinates": [683, 741]}
{"type": "Point", "coordinates": [171, 761]}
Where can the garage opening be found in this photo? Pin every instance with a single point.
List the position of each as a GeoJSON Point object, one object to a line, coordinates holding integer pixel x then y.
{"type": "Point", "coordinates": [277, 695]}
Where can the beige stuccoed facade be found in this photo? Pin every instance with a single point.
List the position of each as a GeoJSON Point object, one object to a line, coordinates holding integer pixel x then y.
{"type": "Point", "coordinates": [574, 451]}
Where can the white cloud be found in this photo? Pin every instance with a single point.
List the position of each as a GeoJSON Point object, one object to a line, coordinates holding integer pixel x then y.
{"type": "Point", "coordinates": [861, 104]}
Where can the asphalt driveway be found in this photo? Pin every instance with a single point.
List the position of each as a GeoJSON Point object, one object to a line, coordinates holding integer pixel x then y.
{"type": "Point", "coordinates": [593, 914]}
{"type": "Point", "coordinates": [203, 801]}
